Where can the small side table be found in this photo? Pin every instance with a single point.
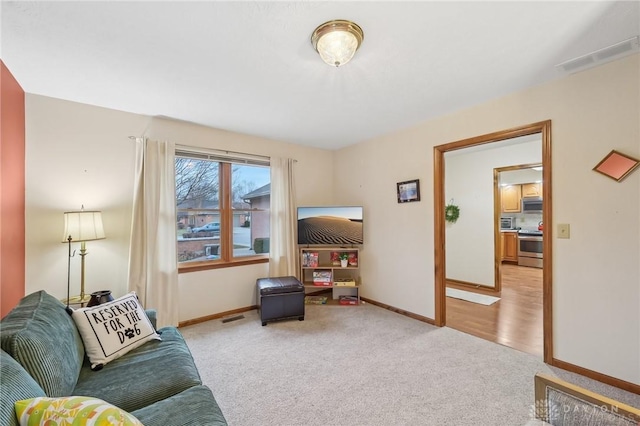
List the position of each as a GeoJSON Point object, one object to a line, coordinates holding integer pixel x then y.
{"type": "Point", "coordinates": [94, 299]}
{"type": "Point", "coordinates": [77, 300]}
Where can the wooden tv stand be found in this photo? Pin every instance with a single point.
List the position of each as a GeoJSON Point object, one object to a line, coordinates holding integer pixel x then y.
{"type": "Point", "coordinates": [320, 269]}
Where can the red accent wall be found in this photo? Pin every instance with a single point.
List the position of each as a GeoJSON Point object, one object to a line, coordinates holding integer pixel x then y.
{"type": "Point", "coordinates": [12, 187]}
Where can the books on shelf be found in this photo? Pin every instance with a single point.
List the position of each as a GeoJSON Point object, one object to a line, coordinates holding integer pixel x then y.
{"type": "Point", "coordinates": [348, 300]}
{"type": "Point", "coordinates": [310, 259]}
{"type": "Point", "coordinates": [315, 300]}
{"type": "Point", "coordinates": [322, 277]}
{"type": "Point", "coordinates": [344, 282]}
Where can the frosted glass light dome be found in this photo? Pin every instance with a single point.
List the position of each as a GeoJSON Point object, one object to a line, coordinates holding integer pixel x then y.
{"type": "Point", "coordinates": [337, 41]}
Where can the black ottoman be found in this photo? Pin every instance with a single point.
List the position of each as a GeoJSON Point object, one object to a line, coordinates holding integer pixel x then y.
{"type": "Point", "coordinates": [280, 298]}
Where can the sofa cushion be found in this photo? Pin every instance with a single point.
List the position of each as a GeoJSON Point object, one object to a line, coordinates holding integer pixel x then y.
{"type": "Point", "coordinates": [42, 337]}
{"type": "Point", "coordinates": [195, 406]}
{"type": "Point", "coordinates": [152, 314]}
{"type": "Point", "coordinates": [112, 329]}
{"type": "Point", "coordinates": [71, 410]}
{"type": "Point", "coordinates": [154, 371]}
{"type": "Point", "coordinates": [16, 384]}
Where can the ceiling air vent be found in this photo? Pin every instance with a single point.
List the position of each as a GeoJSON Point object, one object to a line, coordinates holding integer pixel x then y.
{"type": "Point", "coordinates": [599, 57]}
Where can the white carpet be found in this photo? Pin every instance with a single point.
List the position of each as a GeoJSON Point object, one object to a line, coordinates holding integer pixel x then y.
{"type": "Point", "coordinates": [482, 299]}
{"type": "Point", "coordinates": [366, 366]}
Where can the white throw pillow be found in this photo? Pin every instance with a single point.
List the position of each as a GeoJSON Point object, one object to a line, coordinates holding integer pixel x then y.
{"type": "Point", "coordinates": [112, 329]}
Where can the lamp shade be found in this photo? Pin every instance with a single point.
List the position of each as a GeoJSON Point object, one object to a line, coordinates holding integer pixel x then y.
{"type": "Point", "coordinates": [337, 41]}
{"type": "Point", "coordinates": [83, 226]}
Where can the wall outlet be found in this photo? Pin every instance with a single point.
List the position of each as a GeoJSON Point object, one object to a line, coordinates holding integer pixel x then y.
{"type": "Point", "coordinates": [563, 230]}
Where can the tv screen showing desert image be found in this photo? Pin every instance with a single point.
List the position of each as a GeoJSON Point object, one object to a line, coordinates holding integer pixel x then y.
{"type": "Point", "coordinates": [330, 225]}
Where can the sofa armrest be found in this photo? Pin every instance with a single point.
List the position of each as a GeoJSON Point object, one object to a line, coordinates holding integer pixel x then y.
{"type": "Point", "coordinates": [153, 317]}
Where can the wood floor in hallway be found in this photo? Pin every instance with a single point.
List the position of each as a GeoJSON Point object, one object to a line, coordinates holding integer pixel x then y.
{"type": "Point", "coordinates": [514, 321]}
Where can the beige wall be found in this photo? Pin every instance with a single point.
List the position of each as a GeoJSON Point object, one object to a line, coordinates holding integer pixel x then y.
{"type": "Point", "coordinates": [77, 155]}
{"type": "Point", "coordinates": [596, 276]}
{"type": "Point", "coordinates": [209, 292]}
{"type": "Point", "coordinates": [80, 154]}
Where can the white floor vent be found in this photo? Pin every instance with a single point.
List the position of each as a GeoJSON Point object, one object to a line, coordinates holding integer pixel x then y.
{"type": "Point", "coordinates": [599, 57]}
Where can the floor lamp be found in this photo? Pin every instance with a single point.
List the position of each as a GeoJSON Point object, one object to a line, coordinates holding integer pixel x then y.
{"type": "Point", "coordinates": [81, 226]}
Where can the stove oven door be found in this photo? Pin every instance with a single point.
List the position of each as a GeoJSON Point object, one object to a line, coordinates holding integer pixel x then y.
{"type": "Point", "coordinates": [530, 251]}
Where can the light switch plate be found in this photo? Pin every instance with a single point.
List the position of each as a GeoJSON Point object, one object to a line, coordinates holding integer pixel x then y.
{"type": "Point", "coordinates": [563, 230]}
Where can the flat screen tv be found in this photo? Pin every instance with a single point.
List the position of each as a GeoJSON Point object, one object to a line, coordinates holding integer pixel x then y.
{"type": "Point", "coordinates": [340, 225]}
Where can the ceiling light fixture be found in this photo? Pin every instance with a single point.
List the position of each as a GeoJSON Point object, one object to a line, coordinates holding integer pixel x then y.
{"type": "Point", "coordinates": [337, 41]}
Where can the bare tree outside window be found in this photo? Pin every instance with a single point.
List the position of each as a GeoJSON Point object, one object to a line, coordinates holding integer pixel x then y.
{"type": "Point", "coordinates": [196, 182]}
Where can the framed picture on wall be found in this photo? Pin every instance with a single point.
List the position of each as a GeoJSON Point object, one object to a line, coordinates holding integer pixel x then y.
{"type": "Point", "coordinates": [617, 165]}
{"type": "Point", "coordinates": [408, 191]}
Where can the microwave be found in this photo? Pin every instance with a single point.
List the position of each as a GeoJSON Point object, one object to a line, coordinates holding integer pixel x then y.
{"type": "Point", "coordinates": [532, 205]}
{"type": "Point", "coordinates": [507, 223]}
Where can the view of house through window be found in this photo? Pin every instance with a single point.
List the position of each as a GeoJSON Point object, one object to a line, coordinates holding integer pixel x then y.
{"type": "Point", "coordinates": [222, 208]}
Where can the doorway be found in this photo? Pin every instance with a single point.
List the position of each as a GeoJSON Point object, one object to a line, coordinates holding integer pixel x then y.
{"type": "Point", "coordinates": [544, 129]}
{"type": "Point", "coordinates": [510, 312]}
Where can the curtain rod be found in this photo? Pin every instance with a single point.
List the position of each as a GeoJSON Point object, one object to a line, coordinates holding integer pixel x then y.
{"type": "Point", "coordinates": [219, 152]}
{"type": "Point", "coordinates": [216, 151]}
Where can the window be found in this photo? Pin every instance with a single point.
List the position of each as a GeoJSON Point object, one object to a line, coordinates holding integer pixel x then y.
{"type": "Point", "coordinates": [222, 209]}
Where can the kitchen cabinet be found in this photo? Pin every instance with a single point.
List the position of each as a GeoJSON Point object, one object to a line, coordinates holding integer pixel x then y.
{"type": "Point", "coordinates": [509, 246]}
{"type": "Point", "coordinates": [532, 190]}
{"type": "Point", "coordinates": [510, 197]}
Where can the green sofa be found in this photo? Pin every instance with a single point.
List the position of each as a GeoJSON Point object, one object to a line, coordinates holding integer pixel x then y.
{"type": "Point", "coordinates": [43, 355]}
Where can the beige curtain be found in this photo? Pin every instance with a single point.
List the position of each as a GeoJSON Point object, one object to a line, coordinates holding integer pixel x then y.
{"type": "Point", "coordinates": [153, 268]}
{"type": "Point", "coordinates": [282, 248]}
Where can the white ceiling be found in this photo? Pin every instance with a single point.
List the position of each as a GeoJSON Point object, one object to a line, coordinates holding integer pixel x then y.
{"type": "Point", "coordinates": [249, 67]}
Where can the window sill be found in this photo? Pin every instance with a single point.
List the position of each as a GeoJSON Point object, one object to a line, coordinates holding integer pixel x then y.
{"type": "Point", "coordinates": [217, 264]}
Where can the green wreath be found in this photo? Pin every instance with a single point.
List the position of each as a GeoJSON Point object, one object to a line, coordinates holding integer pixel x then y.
{"type": "Point", "coordinates": [451, 213]}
